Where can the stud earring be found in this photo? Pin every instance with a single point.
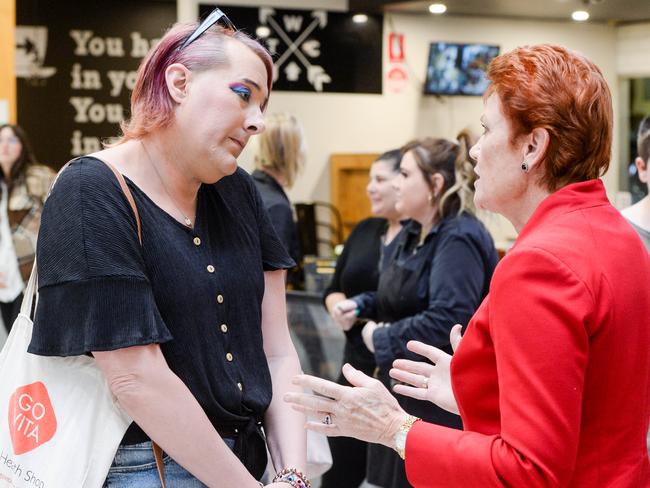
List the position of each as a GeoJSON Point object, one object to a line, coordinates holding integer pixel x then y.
{"type": "Point", "coordinates": [524, 167]}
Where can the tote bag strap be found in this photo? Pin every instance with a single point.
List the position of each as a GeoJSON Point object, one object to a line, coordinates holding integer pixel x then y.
{"type": "Point", "coordinates": [160, 465]}
{"type": "Point", "coordinates": [128, 195]}
{"type": "Point", "coordinates": [157, 451]}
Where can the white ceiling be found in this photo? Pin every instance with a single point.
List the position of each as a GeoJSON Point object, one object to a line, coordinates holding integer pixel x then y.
{"type": "Point", "coordinates": [614, 11]}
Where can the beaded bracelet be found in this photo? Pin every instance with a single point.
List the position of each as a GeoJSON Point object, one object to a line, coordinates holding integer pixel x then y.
{"type": "Point", "coordinates": [293, 477]}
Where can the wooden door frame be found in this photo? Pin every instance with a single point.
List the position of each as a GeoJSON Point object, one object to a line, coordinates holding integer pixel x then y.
{"type": "Point", "coordinates": [346, 162]}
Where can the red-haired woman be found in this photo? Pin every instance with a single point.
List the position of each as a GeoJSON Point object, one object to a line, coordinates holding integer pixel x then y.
{"type": "Point", "coordinates": [189, 327]}
{"type": "Point", "coordinates": [552, 377]}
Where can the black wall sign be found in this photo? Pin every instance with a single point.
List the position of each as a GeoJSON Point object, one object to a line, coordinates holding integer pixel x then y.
{"type": "Point", "coordinates": [76, 64]}
{"type": "Point", "coordinates": [316, 50]}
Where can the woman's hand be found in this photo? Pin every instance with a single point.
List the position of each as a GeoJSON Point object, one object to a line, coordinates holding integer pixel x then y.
{"type": "Point", "coordinates": [366, 411]}
{"type": "Point", "coordinates": [366, 334]}
{"type": "Point", "coordinates": [431, 382]}
{"type": "Point", "coordinates": [345, 314]}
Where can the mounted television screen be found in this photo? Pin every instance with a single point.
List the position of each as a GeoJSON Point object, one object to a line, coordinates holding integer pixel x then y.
{"type": "Point", "coordinates": [458, 69]}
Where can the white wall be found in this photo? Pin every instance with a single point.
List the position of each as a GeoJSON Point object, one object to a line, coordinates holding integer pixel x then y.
{"type": "Point", "coordinates": [373, 123]}
{"type": "Point", "coordinates": [633, 50]}
{"type": "Point", "coordinates": [350, 123]}
{"type": "Point", "coordinates": [632, 61]}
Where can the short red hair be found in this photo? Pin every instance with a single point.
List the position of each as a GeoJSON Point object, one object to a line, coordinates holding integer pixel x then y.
{"type": "Point", "coordinates": [563, 92]}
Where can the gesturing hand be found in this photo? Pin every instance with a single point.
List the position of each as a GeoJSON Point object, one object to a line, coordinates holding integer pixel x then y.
{"type": "Point", "coordinates": [367, 412]}
{"type": "Point", "coordinates": [431, 382]}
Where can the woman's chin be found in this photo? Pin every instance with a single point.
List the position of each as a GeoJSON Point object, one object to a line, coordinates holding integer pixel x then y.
{"type": "Point", "coordinates": [480, 201]}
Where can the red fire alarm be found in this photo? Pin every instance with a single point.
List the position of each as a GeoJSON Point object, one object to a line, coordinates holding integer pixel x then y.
{"type": "Point", "coordinates": [395, 47]}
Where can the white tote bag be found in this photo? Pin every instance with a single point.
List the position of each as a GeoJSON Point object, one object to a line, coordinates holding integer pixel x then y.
{"type": "Point", "coordinates": [60, 425]}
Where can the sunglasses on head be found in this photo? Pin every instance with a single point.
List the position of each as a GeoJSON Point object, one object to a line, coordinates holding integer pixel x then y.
{"type": "Point", "coordinates": [216, 16]}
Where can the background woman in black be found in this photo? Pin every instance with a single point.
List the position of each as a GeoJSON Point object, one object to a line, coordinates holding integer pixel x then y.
{"type": "Point", "coordinates": [279, 159]}
{"type": "Point", "coordinates": [437, 277]}
{"type": "Point", "coordinates": [357, 271]}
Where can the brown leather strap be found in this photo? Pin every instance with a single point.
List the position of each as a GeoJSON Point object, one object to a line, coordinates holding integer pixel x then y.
{"type": "Point", "coordinates": [158, 453]}
{"type": "Point", "coordinates": [123, 185]}
{"type": "Point", "coordinates": [128, 195]}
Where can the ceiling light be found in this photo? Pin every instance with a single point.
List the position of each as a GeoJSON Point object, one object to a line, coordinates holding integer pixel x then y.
{"type": "Point", "coordinates": [263, 31]}
{"type": "Point", "coordinates": [437, 8]}
{"type": "Point", "coordinates": [360, 18]}
{"type": "Point", "coordinates": [580, 15]}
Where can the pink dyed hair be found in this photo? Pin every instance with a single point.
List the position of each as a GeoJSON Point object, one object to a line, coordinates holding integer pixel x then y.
{"type": "Point", "coordinates": [151, 105]}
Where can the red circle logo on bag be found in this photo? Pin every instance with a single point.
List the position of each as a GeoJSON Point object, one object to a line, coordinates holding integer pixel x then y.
{"type": "Point", "coordinates": [31, 418]}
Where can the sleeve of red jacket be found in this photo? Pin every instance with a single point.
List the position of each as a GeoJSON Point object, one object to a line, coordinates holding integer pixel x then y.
{"type": "Point", "coordinates": [538, 311]}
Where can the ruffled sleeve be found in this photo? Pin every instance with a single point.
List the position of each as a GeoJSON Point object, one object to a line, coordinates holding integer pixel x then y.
{"type": "Point", "coordinates": [94, 294]}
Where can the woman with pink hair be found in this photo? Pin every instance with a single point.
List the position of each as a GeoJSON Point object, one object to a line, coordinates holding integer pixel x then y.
{"type": "Point", "coordinates": [188, 325]}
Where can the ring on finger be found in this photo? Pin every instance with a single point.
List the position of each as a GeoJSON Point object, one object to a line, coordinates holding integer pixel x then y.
{"type": "Point", "coordinates": [328, 419]}
{"type": "Point", "coordinates": [425, 383]}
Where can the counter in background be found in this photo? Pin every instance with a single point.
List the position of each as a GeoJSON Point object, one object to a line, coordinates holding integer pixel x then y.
{"type": "Point", "coordinates": [318, 340]}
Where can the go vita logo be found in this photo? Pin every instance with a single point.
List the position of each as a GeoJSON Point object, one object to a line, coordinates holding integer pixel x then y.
{"type": "Point", "coordinates": [31, 418]}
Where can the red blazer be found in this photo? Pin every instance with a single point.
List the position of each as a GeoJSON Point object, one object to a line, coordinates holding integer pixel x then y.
{"type": "Point", "coordinates": [552, 377]}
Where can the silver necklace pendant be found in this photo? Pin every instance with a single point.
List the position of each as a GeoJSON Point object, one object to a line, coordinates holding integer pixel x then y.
{"type": "Point", "coordinates": [186, 219]}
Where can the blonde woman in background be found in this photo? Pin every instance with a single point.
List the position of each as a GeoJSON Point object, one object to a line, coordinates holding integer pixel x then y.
{"type": "Point", "coordinates": [438, 275]}
{"type": "Point", "coordinates": [281, 155]}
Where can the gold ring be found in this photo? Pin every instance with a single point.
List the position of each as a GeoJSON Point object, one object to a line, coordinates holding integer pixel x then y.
{"type": "Point", "coordinates": [425, 383]}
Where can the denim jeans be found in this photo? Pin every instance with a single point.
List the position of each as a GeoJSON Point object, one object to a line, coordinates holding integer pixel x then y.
{"type": "Point", "coordinates": [134, 466]}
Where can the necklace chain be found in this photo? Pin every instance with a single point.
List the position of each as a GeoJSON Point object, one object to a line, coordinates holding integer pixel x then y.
{"type": "Point", "coordinates": [186, 219]}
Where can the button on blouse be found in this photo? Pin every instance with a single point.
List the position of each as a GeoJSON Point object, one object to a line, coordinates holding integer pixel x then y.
{"type": "Point", "coordinates": [160, 292]}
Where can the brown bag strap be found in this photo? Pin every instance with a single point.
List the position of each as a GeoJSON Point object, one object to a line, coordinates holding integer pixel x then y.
{"type": "Point", "coordinates": [128, 195]}
{"type": "Point", "coordinates": [123, 185]}
{"type": "Point", "coordinates": [158, 453]}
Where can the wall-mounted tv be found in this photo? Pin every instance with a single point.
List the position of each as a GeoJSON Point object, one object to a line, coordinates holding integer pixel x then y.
{"type": "Point", "coordinates": [458, 69]}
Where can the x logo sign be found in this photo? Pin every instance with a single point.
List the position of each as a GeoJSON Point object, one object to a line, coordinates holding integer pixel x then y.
{"type": "Point", "coordinates": [316, 75]}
